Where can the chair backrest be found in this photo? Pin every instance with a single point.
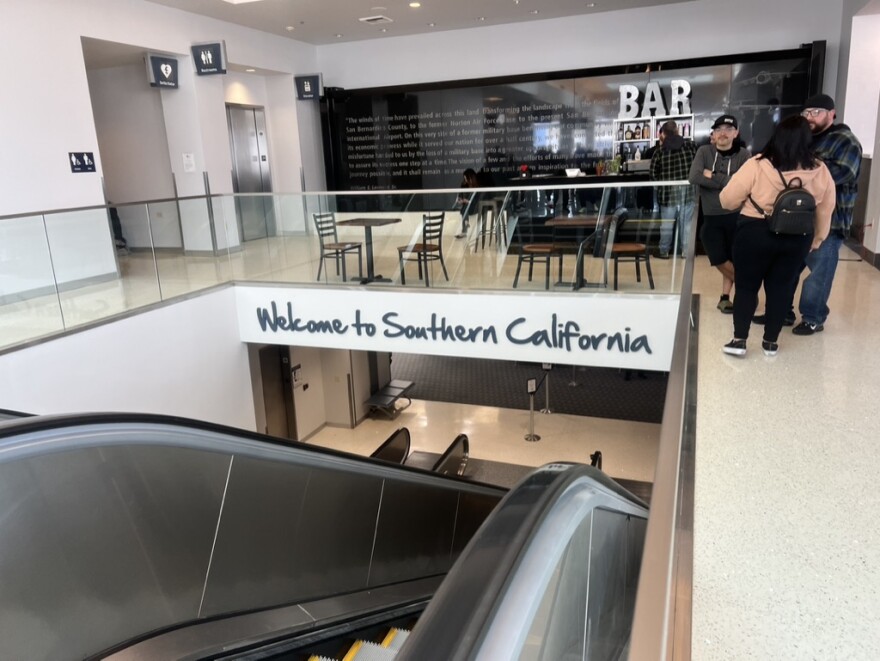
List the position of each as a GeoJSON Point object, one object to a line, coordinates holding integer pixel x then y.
{"type": "Point", "coordinates": [432, 227]}
{"type": "Point", "coordinates": [615, 224]}
{"type": "Point", "coordinates": [325, 224]}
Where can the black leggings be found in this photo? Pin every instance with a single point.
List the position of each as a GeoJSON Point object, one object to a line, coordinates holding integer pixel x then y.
{"type": "Point", "coordinates": [760, 256]}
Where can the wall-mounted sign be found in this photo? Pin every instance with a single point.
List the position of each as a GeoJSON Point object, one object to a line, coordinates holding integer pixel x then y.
{"type": "Point", "coordinates": [162, 71]}
{"type": "Point", "coordinates": [209, 58]}
{"type": "Point", "coordinates": [653, 102]}
{"type": "Point", "coordinates": [308, 88]}
{"type": "Point", "coordinates": [81, 161]}
{"type": "Point", "coordinates": [189, 162]}
{"type": "Point", "coordinates": [629, 331]}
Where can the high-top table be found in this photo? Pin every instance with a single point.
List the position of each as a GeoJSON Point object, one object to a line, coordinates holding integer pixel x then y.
{"type": "Point", "coordinates": [368, 224]}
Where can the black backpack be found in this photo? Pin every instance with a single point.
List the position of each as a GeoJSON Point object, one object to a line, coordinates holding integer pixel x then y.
{"type": "Point", "coordinates": [794, 210]}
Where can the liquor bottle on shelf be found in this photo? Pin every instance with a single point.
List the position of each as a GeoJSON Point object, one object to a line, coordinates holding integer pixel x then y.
{"type": "Point", "coordinates": [646, 131]}
{"type": "Point", "coordinates": [637, 134]}
{"type": "Point", "coordinates": [686, 131]}
{"type": "Point", "coordinates": [629, 134]}
{"type": "Point", "coordinates": [638, 155]}
{"type": "Point", "coordinates": [620, 132]}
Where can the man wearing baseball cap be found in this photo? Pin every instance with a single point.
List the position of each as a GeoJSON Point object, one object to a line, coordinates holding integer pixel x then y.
{"type": "Point", "coordinates": [711, 170]}
{"type": "Point", "coordinates": [841, 151]}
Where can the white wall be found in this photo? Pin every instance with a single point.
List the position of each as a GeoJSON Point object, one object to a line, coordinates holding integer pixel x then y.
{"type": "Point", "coordinates": [131, 135]}
{"type": "Point", "coordinates": [53, 113]}
{"type": "Point", "coordinates": [679, 31]}
{"type": "Point", "coordinates": [185, 359]}
{"type": "Point", "coordinates": [863, 84]}
{"type": "Point", "coordinates": [308, 396]}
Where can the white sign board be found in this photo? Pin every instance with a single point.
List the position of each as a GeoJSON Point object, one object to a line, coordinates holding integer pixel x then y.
{"type": "Point", "coordinates": [603, 330]}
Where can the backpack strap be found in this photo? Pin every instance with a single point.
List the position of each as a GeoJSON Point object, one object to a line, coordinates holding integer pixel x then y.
{"type": "Point", "coordinates": [785, 186]}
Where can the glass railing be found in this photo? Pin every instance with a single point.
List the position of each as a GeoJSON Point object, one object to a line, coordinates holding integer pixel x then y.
{"type": "Point", "coordinates": [63, 269]}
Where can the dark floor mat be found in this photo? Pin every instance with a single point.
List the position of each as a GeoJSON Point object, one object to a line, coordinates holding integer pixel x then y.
{"type": "Point", "coordinates": [601, 392]}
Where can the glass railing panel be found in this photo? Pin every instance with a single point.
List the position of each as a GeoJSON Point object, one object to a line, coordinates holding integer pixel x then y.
{"type": "Point", "coordinates": [184, 260]}
{"type": "Point", "coordinates": [175, 247]}
{"type": "Point", "coordinates": [29, 304]}
{"type": "Point", "coordinates": [95, 280]}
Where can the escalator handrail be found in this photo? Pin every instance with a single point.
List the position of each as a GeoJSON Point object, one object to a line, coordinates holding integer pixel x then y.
{"type": "Point", "coordinates": [395, 448]}
{"type": "Point", "coordinates": [475, 589]}
{"type": "Point", "coordinates": [19, 438]}
{"type": "Point", "coordinates": [455, 458]}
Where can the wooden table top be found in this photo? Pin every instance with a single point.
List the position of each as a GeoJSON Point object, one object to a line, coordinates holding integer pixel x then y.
{"type": "Point", "coordinates": [368, 222]}
{"type": "Point", "coordinates": [572, 221]}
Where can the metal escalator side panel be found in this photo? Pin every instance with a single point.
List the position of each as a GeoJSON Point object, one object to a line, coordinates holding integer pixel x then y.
{"type": "Point", "coordinates": [492, 595]}
{"type": "Point", "coordinates": [110, 531]}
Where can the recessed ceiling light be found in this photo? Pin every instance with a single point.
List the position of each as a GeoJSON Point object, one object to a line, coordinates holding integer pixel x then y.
{"type": "Point", "coordinates": [339, 36]}
{"type": "Point", "coordinates": [481, 18]}
{"type": "Point", "coordinates": [290, 28]}
{"type": "Point", "coordinates": [536, 11]}
{"type": "Point", "coordinates": [384, 29]}
{"type": "Point", "coordinates": [430, 25]}
{"type": "Point", "coordinates": [250, 70]}
{"type": "Point", "coordinates": [415, 5]}
{"type": "Point", "coordinates": [239, 2]}
{"type": "Point", "coordinates": [377, 8]}
{"type": "Point", "coordinates": [590, 5]}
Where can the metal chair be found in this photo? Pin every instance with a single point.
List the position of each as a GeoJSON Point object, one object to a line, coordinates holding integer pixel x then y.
{"type": "Point", "coordinates": [331, 247]}
{"type": "Point", "coordinates": [429, 249]}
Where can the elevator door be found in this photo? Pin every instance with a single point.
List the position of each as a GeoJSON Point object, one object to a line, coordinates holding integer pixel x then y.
{"type": "Point", "coordinates": [250, 171]}
{"type": "Point", "coordinates": [277, 392]}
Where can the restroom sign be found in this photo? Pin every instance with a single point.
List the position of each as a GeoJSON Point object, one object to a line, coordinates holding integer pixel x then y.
{"type": "Point", "coordinates": [308, 87]}
{"type": "Point", "coordinates": [210, 58]}
{"type": "Point", "coordinates": [81, 161]}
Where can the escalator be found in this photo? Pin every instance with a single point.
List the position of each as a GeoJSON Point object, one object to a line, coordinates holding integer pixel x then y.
{"type": "Point", "coordinates": [149, 537]}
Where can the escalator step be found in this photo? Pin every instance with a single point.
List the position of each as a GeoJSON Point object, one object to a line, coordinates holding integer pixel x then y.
{"type": "Point", "coordinates": [395, 639]}
{"type": "Point", "coordinates": [372, 652]}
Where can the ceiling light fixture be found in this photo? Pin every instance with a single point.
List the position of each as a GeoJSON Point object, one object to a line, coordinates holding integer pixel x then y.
{"type": "Point", "coordinates": [536, 11]}
{"type": "Point", "coordinates": [378, 8]}
{"type": "Point", "coordinates": [339, 36]}
{"type": "Point", "coordinates": [240, 2]}
{"type": "Point", "coordinates": [384, 29]}
{"type": "Point", "coordinates": [430, 25]}
{"type": "Point", "coordinates": [290, 28]}
{"type": "Point", "coordinates": [250, 70]}
{"type": "Point", "coordinates": [590, 5]}
{"type": "Point", "coordinates": [481, 18]}
{"type": "Point", "coordinates": [415, 5]}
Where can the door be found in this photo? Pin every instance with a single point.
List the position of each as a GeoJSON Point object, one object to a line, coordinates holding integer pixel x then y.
{"type": "Point", "coordinates": [250, 171]}
{"type": "Point", "coordinates": [277, 392]}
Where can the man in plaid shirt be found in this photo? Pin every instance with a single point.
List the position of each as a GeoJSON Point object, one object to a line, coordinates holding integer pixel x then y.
{"type": "Point", "coordinates": [672, 162]}
{"type": "Point", "coordinates": [839, 149]}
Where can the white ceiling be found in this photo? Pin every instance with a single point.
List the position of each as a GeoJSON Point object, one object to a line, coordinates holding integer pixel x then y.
{"type": "Point", "coordinates": [320, 21]}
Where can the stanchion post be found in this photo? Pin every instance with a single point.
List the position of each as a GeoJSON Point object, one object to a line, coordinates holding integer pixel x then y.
{"type": "Point", "coordinates": [532, 387]}
{"type": "Point", "coordinates": [546, 410]}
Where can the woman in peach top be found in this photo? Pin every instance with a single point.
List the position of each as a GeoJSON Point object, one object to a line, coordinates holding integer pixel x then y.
{"type": "Point", "coordinates": [759, 255]}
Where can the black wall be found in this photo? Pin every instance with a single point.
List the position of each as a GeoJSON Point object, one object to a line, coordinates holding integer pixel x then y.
{"type": "Point", "coordinates": [422, 137]}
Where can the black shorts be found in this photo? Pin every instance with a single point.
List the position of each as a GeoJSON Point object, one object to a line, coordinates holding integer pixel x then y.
{"type": "Point", "coordinates": [717, 237]}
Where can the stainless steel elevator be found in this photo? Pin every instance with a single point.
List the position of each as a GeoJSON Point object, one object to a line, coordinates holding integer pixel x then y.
{"type": "Point", "coordinates": [250, 171]}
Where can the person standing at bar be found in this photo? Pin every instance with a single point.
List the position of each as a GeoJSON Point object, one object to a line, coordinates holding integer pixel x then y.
{"type": "Point", "coordinates": [672, 162]}
{"type": "Point", "coordinates": [712, 168]}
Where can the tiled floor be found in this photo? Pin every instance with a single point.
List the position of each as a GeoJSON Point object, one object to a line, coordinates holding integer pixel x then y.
{"type": "Point", "coordinates": [146, 279]}
{"type": "Point", "coordinates": [786, 540]}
